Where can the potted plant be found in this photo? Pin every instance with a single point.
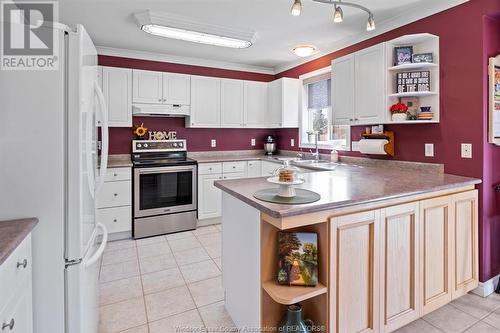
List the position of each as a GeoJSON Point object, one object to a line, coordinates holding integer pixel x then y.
{"type": "Point", "coordinates": [310, 136]}
{"type": "Point", "coordinates": [399, 112]}
{"type": "Point", "coordinates": [320, 125]}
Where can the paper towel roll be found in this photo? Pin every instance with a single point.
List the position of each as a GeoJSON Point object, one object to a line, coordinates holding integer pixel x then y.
{"type": "Point", "coordinates": [373, 146]}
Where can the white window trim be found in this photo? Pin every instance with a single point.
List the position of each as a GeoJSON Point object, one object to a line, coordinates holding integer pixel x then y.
{"type": "Point", "coordinates": [303, 103]}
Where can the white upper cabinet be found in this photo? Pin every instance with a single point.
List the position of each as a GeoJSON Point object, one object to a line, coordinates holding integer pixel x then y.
{"type": "Point", "coordinates": [255, 104]}
{"type": "Point", "coordinates": [205, 102]}
{"type": "Point", "coordinates": [117, 90]}
{"type": "Point", "coordinates": [369, 80]}
{"type": "Point", "coordinates": [358, 89]}
{"type": "Point", "coordinates": [232, 110]}
{"type": "Point", "coordinates": [283, 102]}
{"type": "Point", "coordinates": [343, 90]}
{"type": "Point", "coordinates": [176, 89]}
{"type": "Point", "coordinates": [147, 86]}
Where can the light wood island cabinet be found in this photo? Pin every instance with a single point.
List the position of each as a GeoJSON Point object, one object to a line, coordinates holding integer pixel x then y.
{"type": "Point", "coordinates": [382, 263]}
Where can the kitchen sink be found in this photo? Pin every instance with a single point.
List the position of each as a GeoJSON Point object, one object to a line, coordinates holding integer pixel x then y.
{"type": "Point", "coordinates": [311, 162]}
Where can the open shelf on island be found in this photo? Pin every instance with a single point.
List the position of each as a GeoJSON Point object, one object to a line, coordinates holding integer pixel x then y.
{"type": "Point", "coordinates": [413, 65]}
{"type": "Point", "coordinates": [288, 295]}
{"type": "Point", "coordinates": [275, 297]}
{"type": "Point", "coordinates": [414, 94]}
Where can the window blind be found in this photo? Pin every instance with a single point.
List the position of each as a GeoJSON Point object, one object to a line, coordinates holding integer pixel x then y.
{"type": "Point", "coordinates": [319, 94]}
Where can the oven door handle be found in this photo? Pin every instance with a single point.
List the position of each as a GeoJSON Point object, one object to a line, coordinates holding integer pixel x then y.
{"type": "Point", "coordinates": [164, 169]}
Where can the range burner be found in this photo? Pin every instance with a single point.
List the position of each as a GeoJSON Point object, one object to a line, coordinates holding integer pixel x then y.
{"type": "Point", "coordinates": [160, 153]}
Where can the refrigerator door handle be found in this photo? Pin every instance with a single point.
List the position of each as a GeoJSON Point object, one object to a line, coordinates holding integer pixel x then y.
{"type": "Point", "coordinates": [100, 250]}
{"type": "Point", "coordinates": [105, 137]}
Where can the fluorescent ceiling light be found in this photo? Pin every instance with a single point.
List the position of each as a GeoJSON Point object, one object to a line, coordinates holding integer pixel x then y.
{"type": "Point", "coordinates": [304, 50]}
{"type": "Point", "coordinates": [183, 28]}
{"type": "Point", "coordinates": [196, 37]}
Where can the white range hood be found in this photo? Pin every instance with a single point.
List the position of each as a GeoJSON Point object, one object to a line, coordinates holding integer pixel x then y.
{"type": "Point", "coordinates": [162, 110]}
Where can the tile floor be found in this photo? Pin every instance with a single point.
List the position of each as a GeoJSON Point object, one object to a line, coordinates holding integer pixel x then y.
{"type": "Point", "coordinates": [470, 314]}
{"type": "Point", "coordinates": [158, 284]}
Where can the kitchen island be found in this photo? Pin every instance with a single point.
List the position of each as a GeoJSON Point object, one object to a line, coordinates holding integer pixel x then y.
{"type": "Point", "coordinates": [393, 246]}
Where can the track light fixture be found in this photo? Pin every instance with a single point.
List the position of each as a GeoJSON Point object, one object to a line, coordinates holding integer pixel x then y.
{"type": "Point", "coordinates": [296, 8]}
{"type": "Point", "coordinates": [338, 14]}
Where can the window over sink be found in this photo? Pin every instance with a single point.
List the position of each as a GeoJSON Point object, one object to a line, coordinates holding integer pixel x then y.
{"type": "Point", "coordinates": [316, 114]}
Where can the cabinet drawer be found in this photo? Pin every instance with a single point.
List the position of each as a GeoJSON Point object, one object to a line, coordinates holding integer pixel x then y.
{"type": "Point", "coordinates": [234, 175]}
{"type": "Point", "coordinates": [14, 273]}
{"type": "Point", "coordinates": [116, 174]}
{"type": "Point", "coordinates": [117, 219]}
{"type": "Point", "coordinates": [18, 311]}
{"type": "Point", "coordinates": [209, 168]}
{"type": "Point", "coordinates": [233, 167]}
{"type": "Point", "coordinates": [115, 194]}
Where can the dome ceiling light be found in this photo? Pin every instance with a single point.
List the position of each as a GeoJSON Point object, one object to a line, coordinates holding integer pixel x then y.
{"type": "Point", "coordinates": [338, 14]}
{"type": "Point", "coordinates": [304, 50]}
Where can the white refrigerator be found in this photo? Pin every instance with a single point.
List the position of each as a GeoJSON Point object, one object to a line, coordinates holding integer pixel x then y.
{"type": "Point", "coordinates": [49, 170]}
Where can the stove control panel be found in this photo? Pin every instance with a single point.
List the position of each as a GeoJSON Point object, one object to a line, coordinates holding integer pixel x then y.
{"type": "Point", "coordinates": [154, 146]}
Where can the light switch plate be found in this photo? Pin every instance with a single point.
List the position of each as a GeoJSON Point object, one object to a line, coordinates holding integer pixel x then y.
{"type": "Point", "coordinates": [355, 145]}
{"type": "Point", "coordinates": [466, 150]}
{"type": "Point", "coordinates": [292, 142]}
{"type": "Point", "coordinates": [429, 149]}
{"type": "Point", "coordinates": [252, 142]}
{"type": "Point", "coordinates": [213, 143]}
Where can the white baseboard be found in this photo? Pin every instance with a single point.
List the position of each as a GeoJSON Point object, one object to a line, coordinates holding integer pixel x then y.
{"type": "Point", "coordinates": [486, 288]}
{"type": "Point", "coordinates": [211, 221]}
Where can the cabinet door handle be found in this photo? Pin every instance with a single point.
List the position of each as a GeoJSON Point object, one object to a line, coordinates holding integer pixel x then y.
{"type": "Point", "coordinates": [115, 220]}
{"type": "Point", "coordinates": [351, 119]}
{"type": "Point", "coordinates": [116, 194]}
{"type": "Point", "coordinates": [115, 175]}
{"type": "Point", "coordinates": [356, 119]}
{"type": "Point", "coordinates": [159, 99]}
{"type": "Point", "coordinates": [10, 325]}
{"type": "Point", "coordinates": [23, 263]}
{"type": "Point", "coordinates": [234, 167]}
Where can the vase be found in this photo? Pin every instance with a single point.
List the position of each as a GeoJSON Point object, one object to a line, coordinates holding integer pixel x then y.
{"type": "Point", "coordinates": [293, 322]}
{"type": "Point", "coordinates": [399, 117]}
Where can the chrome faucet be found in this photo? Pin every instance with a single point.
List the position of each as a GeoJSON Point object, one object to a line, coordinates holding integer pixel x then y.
{"type": "Point", "coordinates": [315, 154]}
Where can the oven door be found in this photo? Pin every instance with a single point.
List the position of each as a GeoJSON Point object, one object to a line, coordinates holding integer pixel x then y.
{"type": "Point", "coordinates": [164, 190]}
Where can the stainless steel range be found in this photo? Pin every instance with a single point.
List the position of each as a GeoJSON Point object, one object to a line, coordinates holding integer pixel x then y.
{"type": "Point", "coordinates": [164, 188]}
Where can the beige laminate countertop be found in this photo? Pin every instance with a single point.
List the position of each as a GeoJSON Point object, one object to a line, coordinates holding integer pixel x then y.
{"type": "Point", "coordinates": [119, 161]}
{"type": "Point", "coordinates": [346, 186]}
{"type": "Point", "coordinates": [235, 158]}
{"type": "Point", "coordinates": [12, 233]}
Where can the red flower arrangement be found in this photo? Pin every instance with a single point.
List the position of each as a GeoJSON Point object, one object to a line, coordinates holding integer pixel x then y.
{"type": "Point", "coordinates": [399, 108]}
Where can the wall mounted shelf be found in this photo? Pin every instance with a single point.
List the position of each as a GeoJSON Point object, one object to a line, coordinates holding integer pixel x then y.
{"type": "Point", "coordinates": [411, 66]}
{"type": "Point", "coordinates": [414, 94]}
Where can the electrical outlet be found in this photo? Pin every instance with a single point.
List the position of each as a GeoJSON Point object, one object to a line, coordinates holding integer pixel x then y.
{"type": "Point", "coordinates": [466, 150]}
{"type": "Point", "coordinates": [252, 142]}
{"type": "Point", "coordinates": [292, 142]}
{"type": "Point", "coordinates": [429, 149]}
{"type": "Point", "coordinates": [355, 145]}
{"type": "Point", "coordinates": [213, 143]}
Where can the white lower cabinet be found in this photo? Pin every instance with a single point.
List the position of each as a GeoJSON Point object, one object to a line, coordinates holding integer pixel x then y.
{"type": "Point", "coordinates": [254, 169]}
{"type": "Point", "coordinates": [209, 196]}
{"type": "Point", "coordinates": [16, 309]}
{"type": "Point", "coordinates": [268, 168]}
{"type": "Point", "coordinates": [114, 202]}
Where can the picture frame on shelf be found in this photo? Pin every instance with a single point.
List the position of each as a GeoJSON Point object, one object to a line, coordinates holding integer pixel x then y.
{"type": "Point", "coordinates": [298, 258]}
{"type": "Point", "coordinates": [413, 104]}
{"type": "Point", "coordinates": [423, 58]}
{"type": "Point", "coordinates": [403, 55]}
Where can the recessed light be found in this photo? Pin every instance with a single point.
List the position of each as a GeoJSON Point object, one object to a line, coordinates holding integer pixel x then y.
{"type": "Point", "coordinates": [296, 8]}
{"type": "Point", "coordinates": [183, 28]}
{"type": "Point", "coordinates": [304, 50]}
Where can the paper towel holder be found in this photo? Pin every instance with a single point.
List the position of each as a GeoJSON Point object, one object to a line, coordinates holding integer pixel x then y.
{"type": "Point", "coordinates": [387, 135]}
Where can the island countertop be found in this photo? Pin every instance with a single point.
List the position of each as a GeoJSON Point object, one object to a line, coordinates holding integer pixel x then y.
{"type": "Point", "coordinates": [346, 186]}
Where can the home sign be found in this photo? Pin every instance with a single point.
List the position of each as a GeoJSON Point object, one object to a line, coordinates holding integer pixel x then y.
{"type": "Point", "coordinates": [162, 135]}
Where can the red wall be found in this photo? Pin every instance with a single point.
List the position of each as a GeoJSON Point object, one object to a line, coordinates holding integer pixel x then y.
{"type": "Point", "coordinates": [198, 139]}
{"type": "Point", "coordinates": [490, 226]}
{"type": "Point", "coordinates": [463, 112]}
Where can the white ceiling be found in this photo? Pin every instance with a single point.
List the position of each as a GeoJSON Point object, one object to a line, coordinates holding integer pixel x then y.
{"type": "Point", "coordinates": [110, 24]}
